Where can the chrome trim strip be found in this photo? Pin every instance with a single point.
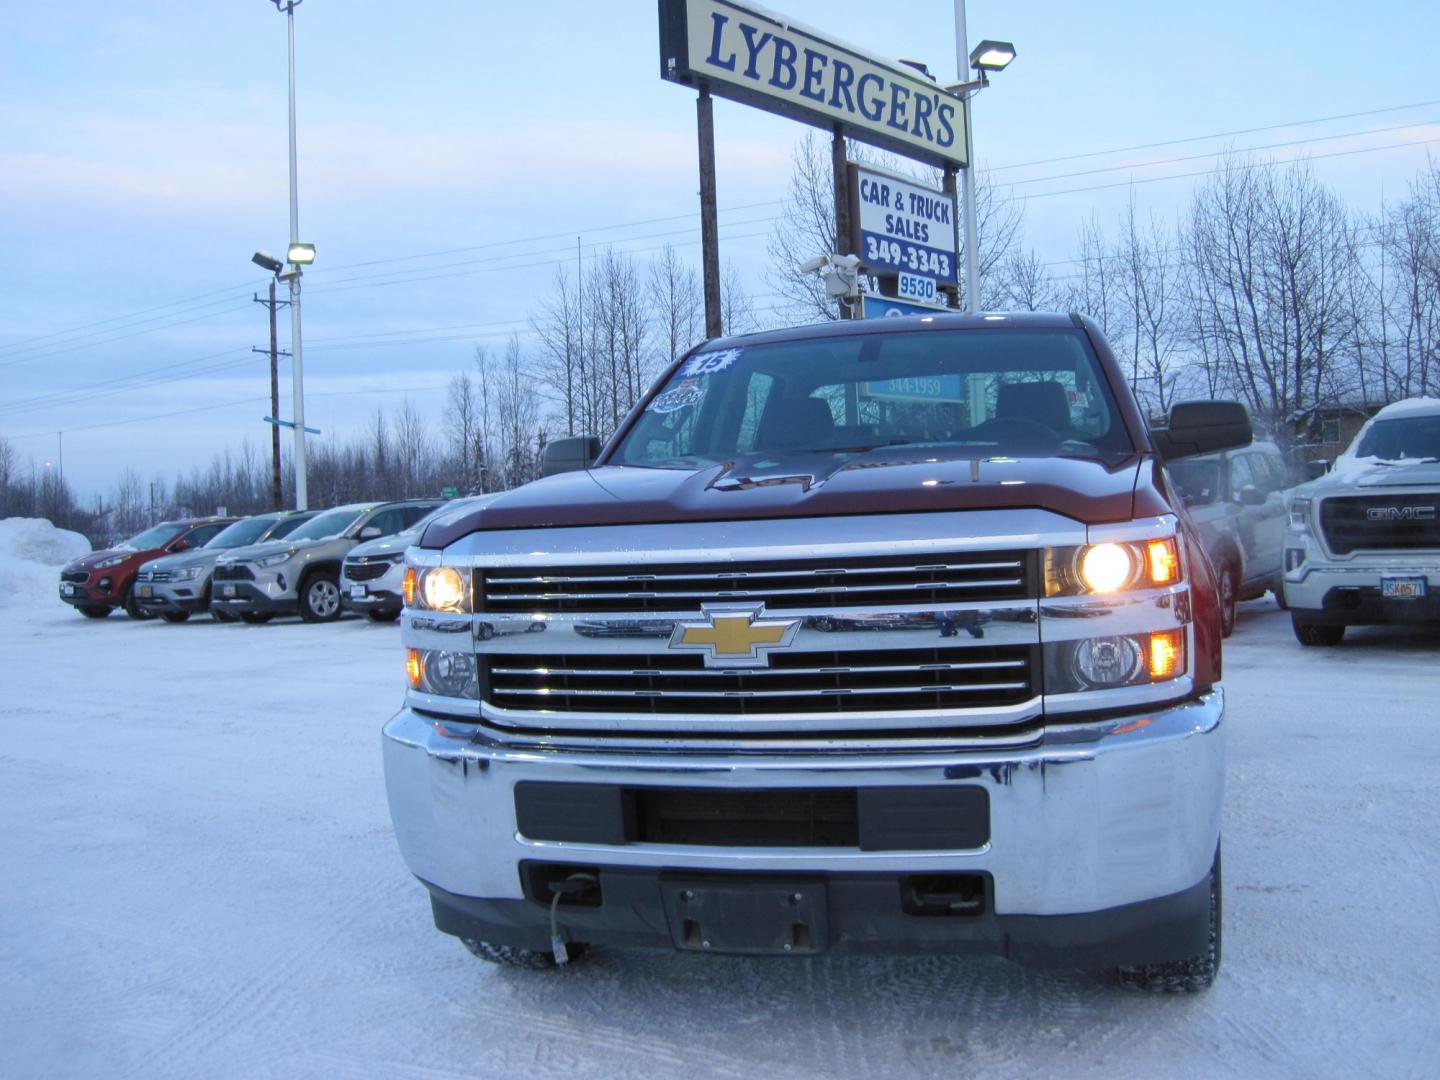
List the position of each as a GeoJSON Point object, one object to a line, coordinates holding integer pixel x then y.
{"type": "Point", "coordinates": [809, 691]}
{"type": "Point", "coordinates": [979, 665]}
{"type": "Point", "coordinates": [741, 594]}
{"type": "Point", "coordinates": [945, 533]}
{"type": "Point", "coordinates": [703, 575]}
{"type": "Point", "coordinates": [540, 721]}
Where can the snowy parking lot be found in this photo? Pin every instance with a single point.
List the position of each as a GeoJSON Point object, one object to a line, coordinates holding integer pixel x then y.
{"type": "Point", "coordinates": [200, 880]}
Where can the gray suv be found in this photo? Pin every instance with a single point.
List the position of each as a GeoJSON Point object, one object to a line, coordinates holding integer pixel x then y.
{"type": "Point", "coordinates": [178, 586]}
{"type": "Point", "coordinates": [1237, 501]}
{"type": "Point", "coordinates": [300, 575]}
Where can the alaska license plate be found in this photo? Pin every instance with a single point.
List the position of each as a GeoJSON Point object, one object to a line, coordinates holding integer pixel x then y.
{"type": "Point", "coordinates": [357, 592]}
{"type": "Point", "coordinates": [227, 590]}
{"type": "Point", "coordinates": [67, 590]}
{"type": "Point", "coordinates": [1402, 588]}
{"type": "Point", "coordinates": [146, 590]}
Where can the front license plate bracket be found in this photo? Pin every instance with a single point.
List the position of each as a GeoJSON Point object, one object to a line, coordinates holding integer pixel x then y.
{"type": "Point", "coordinates": [1402, 588]}
{"type": "Point", "coordinates": [747, 916]}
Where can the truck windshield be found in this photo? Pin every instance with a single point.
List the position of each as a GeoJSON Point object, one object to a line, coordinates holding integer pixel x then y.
{"type": "Point", "coordinates": [1402, 439]}
{"type": "Point", "coordinates": [1007, 392]}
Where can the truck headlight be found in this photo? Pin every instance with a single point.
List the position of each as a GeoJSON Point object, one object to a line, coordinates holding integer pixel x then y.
{"type": "Point", "coordinates": [442, 672]}
{"type": "Point", "coordinates": [1107, 663]}
{"type": "Point", "coordinates": [1113, 566]}
{"type": "Point", "coordinates": [1300, 511]}
{"type": "Point", "coordinates": [436, 588]}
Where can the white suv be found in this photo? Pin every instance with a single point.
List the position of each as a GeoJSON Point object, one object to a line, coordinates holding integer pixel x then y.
{"type": "Point", "coordinates": [1363, 543]}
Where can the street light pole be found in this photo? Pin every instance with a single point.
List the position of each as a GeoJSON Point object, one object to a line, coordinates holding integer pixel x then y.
{"type": "Point", "coordinates": [967, 174]}
{"type": "Point", "coordinates": [302, 501]}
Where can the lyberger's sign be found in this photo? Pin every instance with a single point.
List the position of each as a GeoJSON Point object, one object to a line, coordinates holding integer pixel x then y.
{"type": "Point", "coordinates": [759, 58]}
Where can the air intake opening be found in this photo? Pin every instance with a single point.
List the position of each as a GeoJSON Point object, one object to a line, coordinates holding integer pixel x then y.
{"type": "Point", "coordinates": [943, 894]}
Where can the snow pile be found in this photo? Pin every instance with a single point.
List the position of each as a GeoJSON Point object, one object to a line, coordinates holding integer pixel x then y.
{"type": "Point", "coordinates": [31, 551]}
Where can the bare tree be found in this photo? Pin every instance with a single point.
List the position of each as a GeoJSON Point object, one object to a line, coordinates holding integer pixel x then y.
{"type": "Point", "coordinates": [1024, 283]}
{"type": "Point", "coordinates": [677, 304]}
{"type": "Point", "coordinates": [737, 310]}
{"type": "Point", "coordinates": [558, 326]}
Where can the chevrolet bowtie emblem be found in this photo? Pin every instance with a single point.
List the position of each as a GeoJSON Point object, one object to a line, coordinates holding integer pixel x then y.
{"type": "Point", "coordinates": [734, 636]}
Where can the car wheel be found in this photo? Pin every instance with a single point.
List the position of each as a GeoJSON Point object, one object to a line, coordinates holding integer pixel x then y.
{"type": "Point", "coordinates": [320, 597]}
{"type": "Point", "coordinates": [1277, 590]}
{"type": "Point", "coordinates": [1229, 591]}
{"type": "Point", "coordinates": [256, 618]}
{"type": "Point", "coordinates": [221, 615]}
{"type": "Point", "coordinates": [383, 614]}
{"type": "Point", "coordinates": [175, 616]}
{"type": "Point", "coordinates": [132, 606]}
{"type": "Point", "coordinates": [93, 611]}
{"type": "Point", "coordinates": [1186, 976]}
{"type": "Point", "coordinates": [510, 956]}
{"type": "Point", "coordinates": [1316, 634]}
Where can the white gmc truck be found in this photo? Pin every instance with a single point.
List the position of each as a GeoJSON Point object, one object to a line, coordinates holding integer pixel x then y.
{"type": "Point", "coordinates": [1363, 544]}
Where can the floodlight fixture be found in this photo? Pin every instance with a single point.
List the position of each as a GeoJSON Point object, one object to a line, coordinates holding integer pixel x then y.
{"type": "Point", "coordinates": [301, 254]}
{"type": "Point", "coordinates": [919, 65]}
{"type": "Point", "coordinates": [992, 55]}
{"type": "Point", "coordinates": [267, 261]}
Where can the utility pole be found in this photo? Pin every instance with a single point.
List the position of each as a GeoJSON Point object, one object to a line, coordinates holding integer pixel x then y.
{"type": "Point", "coordinates": [840, 170]}
{"type": "Point", "coordinates": [302, 501]}
{"type": "Point", "coordinates": [274, 351]}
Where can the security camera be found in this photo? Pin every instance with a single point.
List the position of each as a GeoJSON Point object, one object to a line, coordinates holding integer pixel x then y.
{"type": "Point", "coordinates": [811, 265]}
{"type": "Point", "coordinates": [846, 262]}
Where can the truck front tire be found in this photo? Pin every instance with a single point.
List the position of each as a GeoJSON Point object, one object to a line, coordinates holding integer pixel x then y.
{"type": "Point", "coordinates": [510, 956]}
{"type": "Point", "coordinates": [1316, 634]}
{"type": "Point", "coordinates": [1192, 974]}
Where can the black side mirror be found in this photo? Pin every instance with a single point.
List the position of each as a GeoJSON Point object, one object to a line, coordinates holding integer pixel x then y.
{"type": "Point", "coordinates": [180, 545]}
{"type": "Point", "coordinates": [1202, 427]}
{"type": "Point", "coordinates": [570, 454]}
{"type": "Point", "coordinates": [1316, 469]}
{"type": "Point", "coordinates": [1250, 495]}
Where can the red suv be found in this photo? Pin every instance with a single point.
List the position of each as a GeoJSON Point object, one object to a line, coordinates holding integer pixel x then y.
{"type": "Point", "coordinates": [103, 580]}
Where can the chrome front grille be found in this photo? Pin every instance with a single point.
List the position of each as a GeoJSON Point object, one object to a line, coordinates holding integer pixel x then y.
{"type": "Point", "coordinates": [822, 583]}
{"type": "Point", "coordinates": [662, 683]}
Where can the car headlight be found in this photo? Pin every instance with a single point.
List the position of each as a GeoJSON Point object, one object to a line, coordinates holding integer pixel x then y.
{"type": "Point", "coordinates": [1112, 566]}
{"type": "Point", "coordinates": [1107, 663]}
{"type": "Point", "coordinates": [106, 564]}
{"type": "Point", "coordinates": [190, 573]}
{"type": "Point", "coordinates": [436, 588]}
{"type": "Point", "coordinates": [437, 671]}
{"type": "Point", "coordinates": [1300, 511]}
{"type": "Point", "coordinates": [276, 559]}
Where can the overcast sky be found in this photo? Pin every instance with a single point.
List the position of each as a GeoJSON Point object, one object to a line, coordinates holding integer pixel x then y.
{"type": "Point", "coordinates": [451, 152]}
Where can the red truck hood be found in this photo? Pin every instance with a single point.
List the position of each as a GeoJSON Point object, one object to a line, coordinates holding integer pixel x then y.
{"type": "Point", "coordinates": [887, 481]}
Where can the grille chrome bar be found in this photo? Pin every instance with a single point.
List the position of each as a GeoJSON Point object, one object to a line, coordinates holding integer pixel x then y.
{"type": "Point", "coordinates": [808, 691]}
{"type": "Point", "coordinates": [733, 594]}
{"type": "Point", "coordinates": [722, 672]}
{"type": "Point", "coordinates": [547, 579]}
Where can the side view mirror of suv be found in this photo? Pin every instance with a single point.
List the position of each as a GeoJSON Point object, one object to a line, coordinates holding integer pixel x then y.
{"type": "Point", "coordinates": [1316, 469]}
{"type": "Point", "coordinates": [1250, 495]}
{"type": "Point", "coordinates": [568, 455]}
{"type": "Point", "coordinates": [180, 545]}
{"type": "Point", "coordinates": [370, 532]}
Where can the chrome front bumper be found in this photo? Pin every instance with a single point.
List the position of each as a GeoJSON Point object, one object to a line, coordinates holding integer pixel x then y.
{"type": "Point", "coordinates": [1092, 817]}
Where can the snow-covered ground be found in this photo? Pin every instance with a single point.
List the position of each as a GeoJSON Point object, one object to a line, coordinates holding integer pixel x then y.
{"type": "Point", "coordinates": [198, 879]}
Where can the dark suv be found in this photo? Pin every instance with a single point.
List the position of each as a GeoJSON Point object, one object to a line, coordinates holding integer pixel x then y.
{"type": "Point", "coordinates": [101, 581]}
{"type": "Point", "coordinates": [1237, 501]}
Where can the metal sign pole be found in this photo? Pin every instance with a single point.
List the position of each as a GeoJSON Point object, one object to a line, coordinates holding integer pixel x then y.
{"type": "Point", "coordinates": [840, 168]}
{"type": "Point", "coordinates": [709, 216]}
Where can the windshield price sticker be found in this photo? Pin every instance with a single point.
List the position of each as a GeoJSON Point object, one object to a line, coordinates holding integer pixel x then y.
{"type": "Point", "coordinates": [903, 227]}
{"type": "Point", "coordinates": [711, 362]}
{"type": "Point", "coordinates": [686, 394]}
{"type": "Point", "coordinates": [916, 287]}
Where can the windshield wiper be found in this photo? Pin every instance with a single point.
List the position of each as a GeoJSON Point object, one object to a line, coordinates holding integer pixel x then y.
{"type": "Point", "coordinates": [864, 448]}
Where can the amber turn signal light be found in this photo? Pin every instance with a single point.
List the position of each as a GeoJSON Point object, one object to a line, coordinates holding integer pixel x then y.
{"type": "Point", "coordinates": [1167, 655]}
{"type": "Point", "coordinates": [413, 668]}
{"type": "Point", "coordinates": [1163, 561]}
{"type": "Point", "coordinates": [407, 586]}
